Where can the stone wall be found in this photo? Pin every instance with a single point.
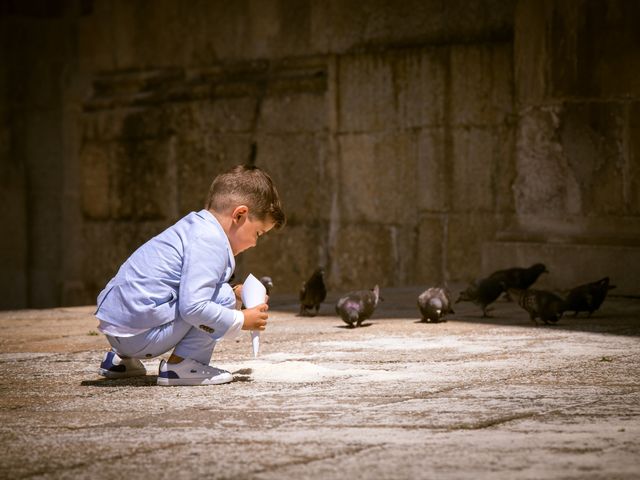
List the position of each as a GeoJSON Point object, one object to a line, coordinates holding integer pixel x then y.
{"type": "Point", "coordinates": [577, 191]}
{"type": "Point", "coordinates": [397, 132]}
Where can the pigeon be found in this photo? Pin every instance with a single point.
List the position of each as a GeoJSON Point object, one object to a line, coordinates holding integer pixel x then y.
{"type": "Point", "coordinates": [588, 297]}
{"type": "Point", "coordinates": [312, 293]}
{"type": "Point", "coordinates": [547, 306]}
{"type": "Point", "coordinates": [520, 278]}
{"type": "Point", "coordinates": [268, 283]}
{"type": "Point", "coordinates": [434, 304]}
{"type": "Point", "coordinates": [482, 293]}
{"type": "Point", "coordinates": [355, 307]}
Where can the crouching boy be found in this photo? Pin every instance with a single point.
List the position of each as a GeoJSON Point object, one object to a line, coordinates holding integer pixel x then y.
{"type": "Point", "coordinates": [173, 292]}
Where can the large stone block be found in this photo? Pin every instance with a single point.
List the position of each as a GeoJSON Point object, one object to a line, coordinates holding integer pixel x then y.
{"type": "Point", "coordinates": [217, 115]}
{"type": "Point", "coordinates": [483, 169]}
{"type": "Point", "coordinates": [594, 49]}
{"type": "Point", "coordinates": [466, 233]}
{"type": "Point", "coordinates": [95, 161]}
{"type": "Point", "coordinates": [369, 254]}
{"type": "Point", "coordinates": [433, 173]}
{"type": "Point", "coordinates": [591, 135]}
{"type": "Point", "coordinates": [419, 82]}
{"type": "Point", "coordinates": [296, 163]}
{"type": "Point", "coordinates": [579, 50]}
{"type": "Point", "coordinates": [542, 186]}
{"type": "Point", "coordinates": [430, 257]}
{"type": "Point", "coordinates": [199, 157]}
{"type": "Point", "coordinates": [530, 51]}
{"type": "Point", "coordinates": [293, 113]}
{"type": "Point", "coordinates": [367, 93]}
{"type": "Point", "coordinates": [379, 177]}
{"type": "Point", "coordinates": [575, 160]}
{"type": "Point", "coordinates": [137, 177]}
{"type": "Point", "coordinates": [401, 89]}
{"type": "Point", "coordinates": [482, 84]}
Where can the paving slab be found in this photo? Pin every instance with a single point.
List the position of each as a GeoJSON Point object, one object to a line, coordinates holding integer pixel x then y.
{"type": "Point", "coordinates": [470, 398]}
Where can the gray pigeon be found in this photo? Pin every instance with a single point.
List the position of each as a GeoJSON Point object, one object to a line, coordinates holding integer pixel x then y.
{"type": "Point", "coordinates": [312, 294]}
{"type": "Point", "coordinates": [355, 307]}
{"type": "Point", "coordinates": [539, 304]}
{"type": "Point", "coordinates": [268, 283]}
{"type": "Point", "coordinates": [588, 297]}
{"type": "Point", "coordinates": [482, 293]}
{"type": "Point", "coordinates": [434, 304]}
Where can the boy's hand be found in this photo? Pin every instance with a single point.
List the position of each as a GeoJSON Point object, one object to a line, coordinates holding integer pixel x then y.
{"type": "Point", "coordinates": [255, 318]}
{"type": "Point", "coordinates": [237, 289]}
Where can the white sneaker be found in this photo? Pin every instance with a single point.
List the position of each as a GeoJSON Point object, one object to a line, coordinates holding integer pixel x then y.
{"type": "Point", "coordinates": [114, 366]}
{"type": "Point", "coordinates": [190, 372]}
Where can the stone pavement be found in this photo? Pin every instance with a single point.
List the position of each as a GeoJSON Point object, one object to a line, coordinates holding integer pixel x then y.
{"type": "Point", "coordinates": [474, 398]}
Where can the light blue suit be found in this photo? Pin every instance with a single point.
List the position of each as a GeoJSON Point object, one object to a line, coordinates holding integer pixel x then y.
{"type": "Point", "coordinates": [173, 291]}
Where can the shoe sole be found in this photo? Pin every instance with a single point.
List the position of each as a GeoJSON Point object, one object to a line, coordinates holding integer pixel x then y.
{"type": "Point", "coordinates": [170, 382]}
{"type": "Point", "coordinates": [110, 374]}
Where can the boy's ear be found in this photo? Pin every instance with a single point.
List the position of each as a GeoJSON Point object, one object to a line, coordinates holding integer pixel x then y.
{"type": "Point", "coordinates": [239, 212]}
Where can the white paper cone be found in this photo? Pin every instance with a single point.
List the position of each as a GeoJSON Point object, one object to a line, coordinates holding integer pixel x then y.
{"type": "Point", "coordinates": [253, 293]}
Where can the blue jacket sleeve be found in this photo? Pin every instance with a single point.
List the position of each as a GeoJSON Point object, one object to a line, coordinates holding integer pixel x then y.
{"type": "Point", "coordinates": [203, 276]}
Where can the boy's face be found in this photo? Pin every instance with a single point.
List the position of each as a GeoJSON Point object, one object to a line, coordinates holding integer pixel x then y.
{"type": "Point", "coordinates": [244, 231]}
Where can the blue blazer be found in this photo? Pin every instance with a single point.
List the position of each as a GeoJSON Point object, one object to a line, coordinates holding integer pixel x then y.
{"type": "Point", "coordinates": [182, 272]}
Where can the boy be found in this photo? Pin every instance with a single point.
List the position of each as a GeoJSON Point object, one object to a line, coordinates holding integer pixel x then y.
{"type": "Point", "coordinates": [173, 291]}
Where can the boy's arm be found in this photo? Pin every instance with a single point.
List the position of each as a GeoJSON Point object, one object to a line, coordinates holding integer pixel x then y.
{"type": "Point", "coordinates": [203, 273]}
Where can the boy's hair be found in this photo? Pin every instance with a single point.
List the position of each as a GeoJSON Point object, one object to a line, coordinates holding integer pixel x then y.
{"type": "Point", "coordinates": [246, 185]}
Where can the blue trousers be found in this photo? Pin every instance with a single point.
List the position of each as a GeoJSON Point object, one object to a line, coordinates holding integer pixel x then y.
{"type": "Point", "coordinates": [189, 342]}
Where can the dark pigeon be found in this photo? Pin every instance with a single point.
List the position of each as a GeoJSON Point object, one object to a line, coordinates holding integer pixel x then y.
{"type": "Point", "coordinates": [268, 283]}
{"type": "Point", "coordinates": [483, 293]}
{"type": "Point", "coordinates": [520, 278]}
{"type": "Point", "coordinates": [312, 294]}
{"type": "Point", "coordinates": [355, 307]}
{"type": "Point", "coordinates": [434, 304]}
{"type": "Point", "coordinates": [541, 304]}
{"type": "Point", "coordinates": [588, 297]}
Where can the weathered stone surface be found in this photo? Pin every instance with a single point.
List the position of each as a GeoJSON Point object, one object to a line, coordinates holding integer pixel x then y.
{"type": "Point", "coordinates": [199, 157]}
{"type": "Point", "coordinates": [600, 40]}
{"type": "Point", "coordinates": [481, 84]}
{"type": "Point", "coordinates": [124, 112]}
{"type": "Point", "coordinates": [420, 86]}
{"type": "Point", "coordinates": [403, 89]}
{"type": "Point", "coordinates": [542, 186]}
{"type": "Point", "coordinates": [339, 25]}
{"type": "Point", "coordinates": [296, 165]}
{"type": "Point", "coordinates": [430, 259]}
{"type": "Point", "coordinates": [482, 171]}
{"type": "Point", "coordinates": [293, 113]}
{"type": "Point", "coordinates": [592, 138]}
{"type": "Point", "coordinates": [322, 401]}
{"type": "Point", "coordinates": [466, 233]}
{"type": "Point", "coordinates": [369, 254]}
{"type": "Point", "coordinates": [366, 93]}
{"type": "Point", "coordinates": [379, 177]}
{"type": "Point", "coordinates": [576, 49]}
{"type": "Point", "coordinates": [433, 172]}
